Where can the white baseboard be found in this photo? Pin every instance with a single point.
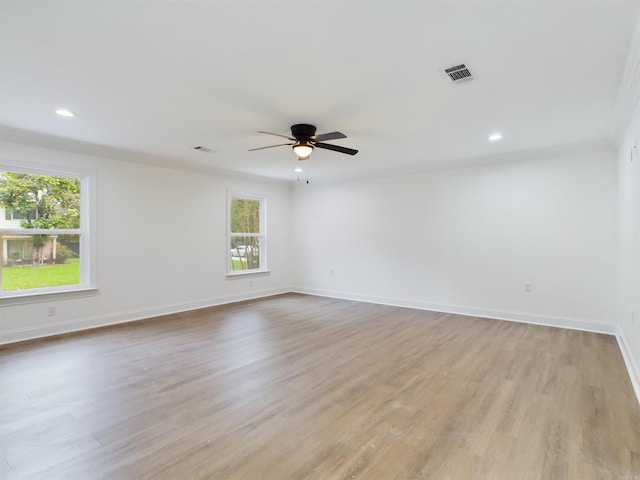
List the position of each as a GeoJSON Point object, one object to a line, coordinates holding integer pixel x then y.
{"type": "Point", "coordinates": [629, 361]}
{"type": "Point", "coordinates": [522, 317]}
{"type": "Point", "coordinates": [46, 330]}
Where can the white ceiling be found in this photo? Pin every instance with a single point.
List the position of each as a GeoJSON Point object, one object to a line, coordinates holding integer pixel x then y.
{"type": "Point", "coordinates": [158, 78]}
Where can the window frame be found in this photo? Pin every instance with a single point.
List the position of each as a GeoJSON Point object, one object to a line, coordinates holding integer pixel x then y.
{"type": "Point", "coordinates": [262, 234]}
{"type": "Point", "coordinates": [86, 233]}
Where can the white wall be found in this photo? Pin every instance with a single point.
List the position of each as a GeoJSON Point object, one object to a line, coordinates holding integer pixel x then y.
{"type": "Point", "coordinates": [468, 240]}
{"type": "Point", "coordinates": [161, 245]}
{"type": "Point", "coordinates": [463, 240]}
{"type": "Point", "coordinates": [628, 314]}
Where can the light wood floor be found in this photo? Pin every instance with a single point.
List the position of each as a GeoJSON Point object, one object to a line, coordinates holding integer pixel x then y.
{"type": "Point", "coordinates": [299, 387]}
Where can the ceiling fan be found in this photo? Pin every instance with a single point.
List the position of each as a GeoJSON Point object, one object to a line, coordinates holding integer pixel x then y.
{"type": "Point", "coordinates": [304, 140]}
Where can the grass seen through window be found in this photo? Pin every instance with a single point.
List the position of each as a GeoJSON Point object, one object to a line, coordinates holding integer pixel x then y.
{"type": "Point", "coordinates": [24, 277]}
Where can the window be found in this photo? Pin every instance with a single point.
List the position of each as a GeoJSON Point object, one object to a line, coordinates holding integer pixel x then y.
{"type": "Point", "coordinates": [246, 236]}
{"type": "Point", "coordinates": [10, 214]}
{"type": "Point", "coordinates": [44, 232]}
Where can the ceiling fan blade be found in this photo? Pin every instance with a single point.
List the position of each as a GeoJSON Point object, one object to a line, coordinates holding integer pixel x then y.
{"type": "Point", "coordinates": [328, 136]}
{"type": "Point", "coordinates": [336, 148]}
{"type": "Point", "coordinates": [278, 135]}
{"type": "Point", "coordinates": [270, 146]}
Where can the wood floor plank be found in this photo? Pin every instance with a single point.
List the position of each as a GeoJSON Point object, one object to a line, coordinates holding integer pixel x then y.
{"type": "Point", "coordinates": [302, 387]}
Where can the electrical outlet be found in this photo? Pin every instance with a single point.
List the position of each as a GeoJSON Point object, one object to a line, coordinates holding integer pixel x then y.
{"type": "Point", "coordinates": [251, 283]}
{"type": "Point", "coordinates": [331, 273]}
{"type": "Point", "coordinates": [527, 288]}
{"type": "Point", "coordinates": [633, 317]}
{"type": "Point", "coordinates": [51, 311]}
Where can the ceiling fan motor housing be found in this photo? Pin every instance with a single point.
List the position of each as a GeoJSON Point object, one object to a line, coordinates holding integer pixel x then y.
{"type": "Point", "coordinates": [303, 131]}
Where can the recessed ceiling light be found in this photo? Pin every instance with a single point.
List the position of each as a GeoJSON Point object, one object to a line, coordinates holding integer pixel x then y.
{"type": "Point", "coordinates": [63, 112]}
{"type": "Point", "coordinates": [298, 170]}
{"type": "Point", "coordinates": [494, 137]}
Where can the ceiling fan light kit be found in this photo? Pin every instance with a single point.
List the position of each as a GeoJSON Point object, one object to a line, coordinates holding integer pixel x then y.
{"type": "Point", "coordinates": [303, 149]}
{"type": "Point", "coordinates": [304, 140]}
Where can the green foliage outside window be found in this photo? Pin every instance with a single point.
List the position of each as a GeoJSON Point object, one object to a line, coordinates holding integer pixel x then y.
{"type": "Point", "coordinates": [42, 201]}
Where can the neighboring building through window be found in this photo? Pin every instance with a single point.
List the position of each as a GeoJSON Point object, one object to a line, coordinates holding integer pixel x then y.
{"type": "Point", "coordinates": [44, 232]}
{"type": "Point", "coordinates": [10, 214]}
{"type": "Point", "coordinates": [246, 235]}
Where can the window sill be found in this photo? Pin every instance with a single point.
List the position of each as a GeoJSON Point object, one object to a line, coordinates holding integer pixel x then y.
{"type": "Point", "coordinates": [240, 273]}
{"type": "Point", "coordinates": [26, 298]}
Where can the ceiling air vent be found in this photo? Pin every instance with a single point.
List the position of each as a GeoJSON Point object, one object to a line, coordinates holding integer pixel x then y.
{"type": "Point", "coordinates": [458, 73]}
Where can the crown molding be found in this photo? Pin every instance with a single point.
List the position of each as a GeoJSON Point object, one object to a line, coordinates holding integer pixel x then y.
{"type": "Point", "coordinates": [629, 92]}
{"type": "Point", "coordinates": [27, 137]}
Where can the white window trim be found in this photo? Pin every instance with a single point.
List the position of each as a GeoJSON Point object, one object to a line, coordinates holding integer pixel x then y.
{"type": "Point", "coordinates": [88, 252]}
{"type": "Point", "coordinates": [263, 233]}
